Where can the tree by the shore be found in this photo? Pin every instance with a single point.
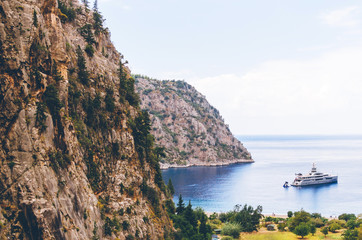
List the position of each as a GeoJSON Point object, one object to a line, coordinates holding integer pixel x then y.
{"type": "Point", "coordinates": [189, 223]}
{"type": "Point", "coordinates": [325, 231]}
{"type": "Point", "coordinates": [245, 216]}
{"type": "Point", "coordinates": [302, 230]}
{"type": "Point", "coordinates": [180, 205]}
{"type": "Point", "coordinates": [299, 217]}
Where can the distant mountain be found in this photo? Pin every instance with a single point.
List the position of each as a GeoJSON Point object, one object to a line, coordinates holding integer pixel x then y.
{"type": "Point", "coordinates": [187, 126]}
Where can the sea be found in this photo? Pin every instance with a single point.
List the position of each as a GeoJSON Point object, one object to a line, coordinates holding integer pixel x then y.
{"type": "Point", "coordinates": [278, 159]}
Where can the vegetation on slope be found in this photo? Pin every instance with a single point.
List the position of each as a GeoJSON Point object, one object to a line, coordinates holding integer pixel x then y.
{"type": "Point", "coordinates": [186, 125]}
{"type": "Point", "coordinates": [84, 131]}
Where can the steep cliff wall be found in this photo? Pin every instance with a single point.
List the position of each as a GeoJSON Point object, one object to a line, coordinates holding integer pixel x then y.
{"type": "Point", "coordinates": [75, 160]}
{"type": "Point", "coordinates": [187, 126]}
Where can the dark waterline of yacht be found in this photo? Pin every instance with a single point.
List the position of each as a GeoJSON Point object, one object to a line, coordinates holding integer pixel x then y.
{"type": "Point", "coordinates": [277, 159]}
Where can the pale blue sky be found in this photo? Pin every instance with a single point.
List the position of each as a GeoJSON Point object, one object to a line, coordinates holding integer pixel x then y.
{"type": "Point", "coordinates": [270, 67]}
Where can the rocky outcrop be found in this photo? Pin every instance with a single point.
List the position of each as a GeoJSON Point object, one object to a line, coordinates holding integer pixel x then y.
{"type": "Point", "coordinates": [71, 162]}
{"type": "Point", "coordinates": [190, 130]}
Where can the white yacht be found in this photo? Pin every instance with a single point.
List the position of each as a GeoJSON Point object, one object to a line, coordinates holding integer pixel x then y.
{"type": "Point", "coordinates": [313, 178]}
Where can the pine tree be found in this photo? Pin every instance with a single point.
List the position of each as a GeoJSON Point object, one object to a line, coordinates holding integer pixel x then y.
{"type": "Point", "coordinates": [83, 74]}
{"type": "Point", "coordinates": [95, 6]}
{"type": "Point", "coordinates": [180, 205]}
{"type": "Point", "coordinates": [97, 19]}
{"type": "Point", "coordinates": [86, 3]}
{"type": "Point", "coordinates": [190, 215]}
{"type": "Point", "coordinates": [203, 229]}
{"type": "Point", "coordinates": [35, 19]}
{"type": "Point", "coordinates": [87, 34]}
{"type": "Point", "coordinates": [56, 73]}
{"type": "Point", "coordinates": [170, 187]}
{"type": "Point", "coordinates": [40, 117]}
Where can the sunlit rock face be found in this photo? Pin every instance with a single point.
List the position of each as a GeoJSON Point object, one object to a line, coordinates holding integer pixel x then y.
{"type": "Point", "coordinates": [187, 126]}
{"type": "Point", "coordinates": [69, 168]}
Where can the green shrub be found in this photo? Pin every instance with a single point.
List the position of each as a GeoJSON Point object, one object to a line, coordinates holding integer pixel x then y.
{"type": "Point", "coordinates": [227, 238]}
{"type": "Point", "coordinates": [89, 50]}
{"type": "Point", "coordinates": [93, 171]}
{"type": "Point", "coordinates": [299, 217]}
{"type": "Point", "coordinates": [318, 222]}
{"type": "Point", "coordinates": [111, 226]}
{"type": "Point", "coordinates": [67, 13]}
{"type": "Point", "coordinates": [40, 117]}
{"type": "Point", "coordinates": [231, 229]}
{"type": "Point", "coordinates": [11, 165]}
{"type": "Point", "coordinates": [350, 234]}
{"type": "Point", "coordinates": [126, 87]}
{"type": "Point", "coordinates": [87, 33]}
{"type": "Point", "coordinates": [52, 101]}
{"type": "Point", "coordinates": [313, 229]}
{"type": "Point", "coordinates": [324, 231]}
{"type": "Point", "coordinates": [130, 237]}
{"type": "Point", "coordinates": [347, 216]}
{"type": "Point", "coordinates": [342, 223]}
{"type": "Point", "coordinates": [351, 224]}
{"type": "Point", "coordinates": [125, 225]}
{"type": "Point", "coordinates": [282, 226]}
{"type": "Point", "coordinates": [302, 229]}
{"type": "Point", "coordinates": [59, 160]}
{"type": "Point", "coordinates": [109, 100]}
{"type": "Point", "coordinates": [107, 227]}
{"type": "Point", "coordinates": [121, 212]}
{"type": "Point", "coordinates": [56, 73]}
{"type": "Point", "coordinates": [35, 76]}
{"type": "Point", "coordinates": [334, 227]}
{"type": "Point", "coordinates": [115, 149]}
{"type": "Point", "coordinates": [147, 91]}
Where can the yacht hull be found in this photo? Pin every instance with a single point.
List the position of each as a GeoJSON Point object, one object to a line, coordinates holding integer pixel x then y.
{"type": "Point", "coordinates": [302, 183]}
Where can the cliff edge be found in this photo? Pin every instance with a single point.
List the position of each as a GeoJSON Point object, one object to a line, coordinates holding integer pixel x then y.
{"type": "Point", "coordinates": [76, 160]}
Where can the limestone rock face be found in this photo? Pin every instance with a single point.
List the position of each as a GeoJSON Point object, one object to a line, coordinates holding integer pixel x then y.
{"type": "Point", "coordinates": [187, 126]}
{"type": "Point", "coordinates": [68, 164]}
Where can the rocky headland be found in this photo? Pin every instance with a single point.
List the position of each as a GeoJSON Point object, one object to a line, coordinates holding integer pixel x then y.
{"type": "Point", "coordinates": [189, 130]}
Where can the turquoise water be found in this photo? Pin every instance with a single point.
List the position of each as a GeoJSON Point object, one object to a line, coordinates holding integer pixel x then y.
{"type": "Point", "coordinates": [277, 159]}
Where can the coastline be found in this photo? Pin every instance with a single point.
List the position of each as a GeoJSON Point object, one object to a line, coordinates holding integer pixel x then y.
{"type": "Point", "coordinates": [275, 215]}
{"type": "Point", "coordinates": [165, 166]}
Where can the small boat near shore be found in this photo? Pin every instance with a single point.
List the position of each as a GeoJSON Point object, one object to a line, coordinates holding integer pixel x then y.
{"type": "Point", "coordinates": [313, 178]}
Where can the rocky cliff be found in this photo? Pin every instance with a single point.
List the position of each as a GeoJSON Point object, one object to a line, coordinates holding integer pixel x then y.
{"type": "Point", "coordinates": [190, 130]}
{"type": "Point", "coordinates": [76, 157]}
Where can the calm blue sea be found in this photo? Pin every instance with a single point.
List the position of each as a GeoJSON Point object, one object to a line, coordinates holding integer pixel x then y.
{"type": "Point", "coordinates": [277, 159]}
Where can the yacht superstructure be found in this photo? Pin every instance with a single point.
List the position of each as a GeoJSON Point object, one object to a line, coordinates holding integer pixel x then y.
{"type": "Point", "coordinates": [313, 178]}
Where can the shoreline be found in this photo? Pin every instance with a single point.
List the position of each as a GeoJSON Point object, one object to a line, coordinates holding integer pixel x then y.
{"type": "Point", "coordinates": [165, 166]}
{"type": "Point", "coordinates": [275, 215]}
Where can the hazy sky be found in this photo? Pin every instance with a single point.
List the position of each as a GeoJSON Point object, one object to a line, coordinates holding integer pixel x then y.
{"type": "Point", "coordinates": [270, 67]}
